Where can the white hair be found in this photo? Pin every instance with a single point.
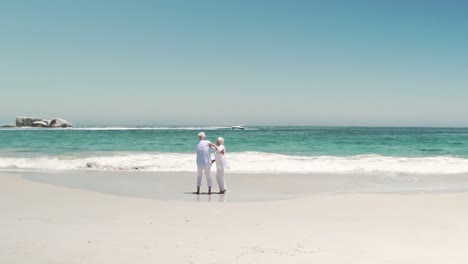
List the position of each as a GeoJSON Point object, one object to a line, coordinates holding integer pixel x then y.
{"type": "Point", "coordinates": [201, 134]}
{"type": "Point", "coordinates": [221, 140]}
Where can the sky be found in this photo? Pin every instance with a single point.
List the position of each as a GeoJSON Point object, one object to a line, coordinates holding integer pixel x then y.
{"type": "Point", "coordinates": [255, 62]}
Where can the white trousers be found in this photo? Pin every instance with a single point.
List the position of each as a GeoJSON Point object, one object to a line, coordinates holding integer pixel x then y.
{"type": "Point", "coordinates": [207, 170]}
{"type": "Point", "coordinates": [220, 179]}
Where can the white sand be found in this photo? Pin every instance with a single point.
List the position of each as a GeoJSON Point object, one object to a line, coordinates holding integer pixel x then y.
{"type": "Point", "coordinates": [44, 223]}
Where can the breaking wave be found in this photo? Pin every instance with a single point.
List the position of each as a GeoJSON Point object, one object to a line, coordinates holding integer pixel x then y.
{"type": "Point", "coordinates": [240, 162]}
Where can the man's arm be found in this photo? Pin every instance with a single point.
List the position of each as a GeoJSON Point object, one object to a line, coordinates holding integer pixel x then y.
{"type": "Point", "coordinates": [213, 146]}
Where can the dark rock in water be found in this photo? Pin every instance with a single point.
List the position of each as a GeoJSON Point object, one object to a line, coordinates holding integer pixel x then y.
{"type": "Point", "coordinates": [59, 122]}
{"type": "Point", "coordinates": [26, 121]}
{"type": "Point", "coordinates": [8, 126]}
{"type": "Point", "coordinates": [19, 121]}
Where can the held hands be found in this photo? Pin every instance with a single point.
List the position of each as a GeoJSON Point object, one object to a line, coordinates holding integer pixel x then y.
{"type": "Point", "coordinates": [213, 161]}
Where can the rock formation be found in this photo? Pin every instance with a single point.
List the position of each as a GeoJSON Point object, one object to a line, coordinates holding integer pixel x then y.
{"type": "Point", "coordinates": [26, 121]}
{"type": "Point", "coordinates": [38, 122]}
{"type": "Point", "coordinates": [59, 122]}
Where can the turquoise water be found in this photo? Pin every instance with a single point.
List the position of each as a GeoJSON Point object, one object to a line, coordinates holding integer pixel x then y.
{"type": "Point", "coordinates": [303, 141]}
{"type": "Point", "coordinates": [257, 149]}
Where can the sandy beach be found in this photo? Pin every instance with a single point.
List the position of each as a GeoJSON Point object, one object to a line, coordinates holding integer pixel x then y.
{"type": "Point", "coordinates": [339, 130]}
{"type": "Point", "coordinates": [47, 222]}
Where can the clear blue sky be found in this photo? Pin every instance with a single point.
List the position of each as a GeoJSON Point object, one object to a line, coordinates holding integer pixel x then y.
{"type": "Point", "coordinates": [383, 63]}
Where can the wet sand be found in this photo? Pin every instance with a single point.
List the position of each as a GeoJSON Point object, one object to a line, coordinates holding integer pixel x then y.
{"type": "Point", "coordinates": [180, 186]}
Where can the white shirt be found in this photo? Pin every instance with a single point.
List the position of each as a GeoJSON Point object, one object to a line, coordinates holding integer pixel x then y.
{"type": "Point", "coordinates": [220, 157]}
{"type": "Point", "coordinates": [203, 153]}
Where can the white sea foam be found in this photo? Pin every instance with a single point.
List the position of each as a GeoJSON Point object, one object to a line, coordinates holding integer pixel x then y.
{"type": "Point", "coordinates": [242, 162]}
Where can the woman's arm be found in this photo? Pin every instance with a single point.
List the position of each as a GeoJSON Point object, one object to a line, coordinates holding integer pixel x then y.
{"type": "Point", "coordinates": [221, 149]}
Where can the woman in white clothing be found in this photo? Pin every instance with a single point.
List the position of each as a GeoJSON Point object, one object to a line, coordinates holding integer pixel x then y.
{"type": "Point", "coordinates": [220, 158]}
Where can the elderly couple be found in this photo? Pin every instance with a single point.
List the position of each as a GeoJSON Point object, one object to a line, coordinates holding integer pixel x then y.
{"type": "Point", "coordinates": [204, 162]}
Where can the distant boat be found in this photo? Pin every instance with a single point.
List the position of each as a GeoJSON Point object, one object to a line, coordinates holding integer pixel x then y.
{"type": "Point", "coordinates": [239, 127]}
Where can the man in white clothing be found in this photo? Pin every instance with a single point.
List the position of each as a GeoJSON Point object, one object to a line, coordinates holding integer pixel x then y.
{"type": "Point", "coordinates": [203, 161]}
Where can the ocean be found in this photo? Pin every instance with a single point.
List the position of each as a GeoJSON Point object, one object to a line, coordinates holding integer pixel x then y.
{"type": "Point", "coordinates": [259, 149]}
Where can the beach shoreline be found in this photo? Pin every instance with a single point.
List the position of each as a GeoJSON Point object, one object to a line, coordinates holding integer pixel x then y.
{"type": "Point", "coordinates": [246, 187]}
{"type": "Point", "coordinates": [52, 223]}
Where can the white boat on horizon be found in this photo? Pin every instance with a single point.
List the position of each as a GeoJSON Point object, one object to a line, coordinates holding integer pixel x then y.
{"type": "Point", "coordinates": [239, 127]}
